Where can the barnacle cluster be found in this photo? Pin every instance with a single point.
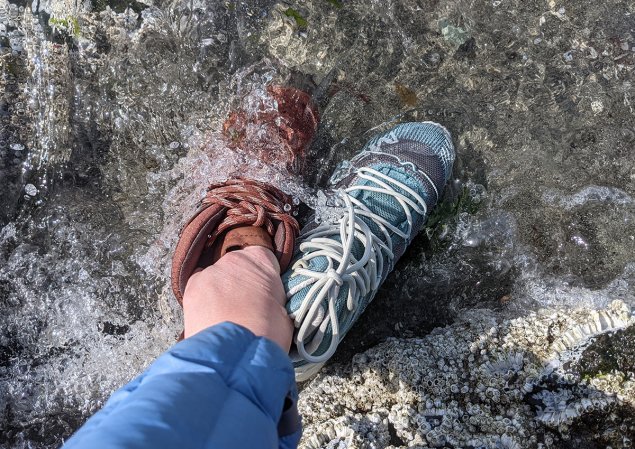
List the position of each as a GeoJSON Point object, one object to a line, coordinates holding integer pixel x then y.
{"type": "Point", "coordinates": [483, 382]}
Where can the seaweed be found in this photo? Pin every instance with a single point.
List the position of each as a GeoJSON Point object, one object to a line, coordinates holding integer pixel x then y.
{"type": "Point", "coordinates": [299, 20]}
{"type": "Point", "coordinates": [407, 96]}
{"type": "Point", "coordinates": [70, 25]}
{"type": "Point", "coordinates": [436, 228]}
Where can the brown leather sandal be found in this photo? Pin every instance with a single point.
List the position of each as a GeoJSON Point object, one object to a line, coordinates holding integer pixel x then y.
{"type": "Point", "coordinates": [233, 215]}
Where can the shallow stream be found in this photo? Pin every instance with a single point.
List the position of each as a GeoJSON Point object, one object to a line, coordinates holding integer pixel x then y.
{"type": "Point", "coordinates": [111, 114]}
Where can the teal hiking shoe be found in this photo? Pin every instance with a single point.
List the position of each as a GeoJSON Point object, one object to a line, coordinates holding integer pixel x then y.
{"type": "Point", "coordinates": [380, 201]}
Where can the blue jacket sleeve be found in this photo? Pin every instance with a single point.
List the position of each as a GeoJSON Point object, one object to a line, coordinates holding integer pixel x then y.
{"type": "Point", "coordinates": [221, 388]}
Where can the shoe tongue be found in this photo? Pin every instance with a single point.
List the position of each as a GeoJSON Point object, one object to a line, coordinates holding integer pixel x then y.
{"type": "Point", "coordinates": [233, 240]}
{"type": "Point", "coordinates": [239, 238]}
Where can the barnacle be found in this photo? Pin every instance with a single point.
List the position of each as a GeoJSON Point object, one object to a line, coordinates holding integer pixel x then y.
{"type": "Point", "coordinates": [498, 388]}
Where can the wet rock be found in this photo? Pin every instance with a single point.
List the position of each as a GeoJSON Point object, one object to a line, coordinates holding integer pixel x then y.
{"type": "Point", "coordinates": [467, 49]}
{"type": "Point", "coordinates": [609, 353]}
{"type": "Point", "coordinates": [481, 382]}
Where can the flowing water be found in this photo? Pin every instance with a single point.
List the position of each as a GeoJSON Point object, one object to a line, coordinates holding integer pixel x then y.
{"type": "Point", "coordinates": [110, 130]}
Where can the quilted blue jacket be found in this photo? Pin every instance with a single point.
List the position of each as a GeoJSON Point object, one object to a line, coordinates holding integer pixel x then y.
{"type": "Point", "coordinates": [221, 388]}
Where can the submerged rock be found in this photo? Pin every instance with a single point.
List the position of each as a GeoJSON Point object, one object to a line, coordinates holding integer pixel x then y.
{"type": "Point", "coordinates": [453, 34]}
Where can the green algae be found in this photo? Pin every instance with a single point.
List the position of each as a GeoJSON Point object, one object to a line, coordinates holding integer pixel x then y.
{"type": "Point", "coordinates": [300, 21]}
{"type": "Point", "coordinates": [68, 25]}
{"type": "Point", "coordinates": [443, 214]}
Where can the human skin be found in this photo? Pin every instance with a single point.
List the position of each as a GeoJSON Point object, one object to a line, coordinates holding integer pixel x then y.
{"type": "Point", "coordinates": [242, 287]}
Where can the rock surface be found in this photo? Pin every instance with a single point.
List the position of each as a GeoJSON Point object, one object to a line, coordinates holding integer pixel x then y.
{"type": "Point", "coordinates": [482, 382]}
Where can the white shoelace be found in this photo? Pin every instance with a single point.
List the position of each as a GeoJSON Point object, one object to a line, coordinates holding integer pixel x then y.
{"type": "Point", "coordinates": [361, 276]}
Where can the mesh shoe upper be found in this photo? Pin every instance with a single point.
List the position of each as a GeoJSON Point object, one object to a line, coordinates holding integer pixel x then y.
{"type": "Point", "coordinates": [385, 192]}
